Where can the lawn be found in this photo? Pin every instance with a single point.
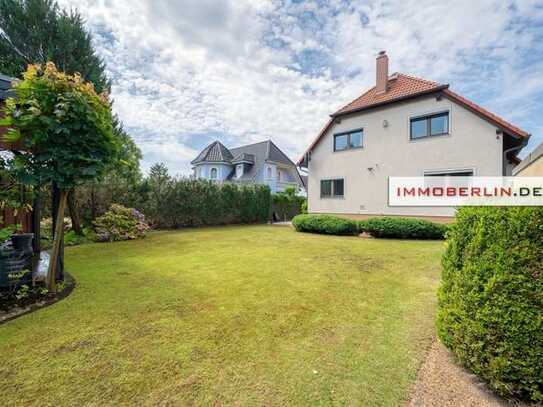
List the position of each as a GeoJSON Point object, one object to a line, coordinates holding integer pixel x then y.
{"type": "Point", "coordinates": [248, 315]}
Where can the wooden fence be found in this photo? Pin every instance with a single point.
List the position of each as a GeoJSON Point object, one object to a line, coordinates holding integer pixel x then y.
{"type": "Point", "coordinates": [9, 217]}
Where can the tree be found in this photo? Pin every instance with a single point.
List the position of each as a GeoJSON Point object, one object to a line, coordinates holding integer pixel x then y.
{"type": "Point", "coordinates": [66, 128]}
{"type": "Point", "coordinates": [38, 31]}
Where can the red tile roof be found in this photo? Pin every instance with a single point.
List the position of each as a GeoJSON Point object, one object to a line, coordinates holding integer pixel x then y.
{"type": "Point", "coordinates": [402, 87]}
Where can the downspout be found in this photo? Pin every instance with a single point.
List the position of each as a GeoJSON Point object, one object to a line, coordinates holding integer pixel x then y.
{"type": "Point", "coordinates": [520, 147]}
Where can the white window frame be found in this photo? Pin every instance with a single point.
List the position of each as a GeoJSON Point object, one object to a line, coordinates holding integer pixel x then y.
{"type": "Point", "coordinates": [239, 170]}
{"type": "Point", "coordinates": [211, 173]}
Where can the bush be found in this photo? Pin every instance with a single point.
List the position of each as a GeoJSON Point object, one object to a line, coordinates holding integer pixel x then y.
{"type": "Point", "coordinates": [120, 223]}
{"type": "Point", "coordinates": [186, 202]}
{"type": "Point", "coordinates": [325, 224]}
{"type": "Point", "coordinates": [491, 297]}
{"type": "Point", "coordinates": [286, 205]}
{"type": "Point", "coordinates": [403, 228]}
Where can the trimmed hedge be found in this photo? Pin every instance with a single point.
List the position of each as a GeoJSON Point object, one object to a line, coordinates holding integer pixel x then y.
{"type": "Point", "coordinates": [325, 224]}
{"type": "Point", "coordinates": [402, 228]}
{"type": "Point", "coordinates": [187, 202]}
{"type": "Point", "coordinates": [491, 297]}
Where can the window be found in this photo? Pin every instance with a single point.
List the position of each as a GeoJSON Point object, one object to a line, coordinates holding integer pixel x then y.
{"type": "Point", "coordinates": [332, 188]}
{"type": "Point", "coordinates": [348, 140]}
{"type": "Point", "coordinates": [213, 174]}
{"type": "Point", "coordinates": [431, 125]}
{"type": "Point", "coordinates": [239, 170]}
{"type": "Point", "coordinates": [269, 172]}
{"type": "Point", "coordinates": [459, 173]}
{"type": "Point", "coordinates": [278, 175]}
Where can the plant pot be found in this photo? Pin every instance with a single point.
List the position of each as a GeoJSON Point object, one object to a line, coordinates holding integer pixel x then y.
{"type": "Point", "coordinates": [22, 242]}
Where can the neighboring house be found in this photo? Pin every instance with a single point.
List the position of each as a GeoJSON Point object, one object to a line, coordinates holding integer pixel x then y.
{"type": "Point", "coordinates": [260, 163]}
{"type": "Point", "coordinates": [5, 85]}
{"type": "Point", "coordinates": [403, 126]}
{"type": "Point", "coordinates": [532, 165]}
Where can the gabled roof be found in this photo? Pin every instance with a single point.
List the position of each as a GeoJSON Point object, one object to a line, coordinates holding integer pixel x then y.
{"type": "Point", "coordinates": [262, 152]}
{"type": "Point", "coordinates": [403, 87]}
{"type": "Point", "coordinates": [215, 152]}
{"type": "Point", "coordinates": [400, 86]}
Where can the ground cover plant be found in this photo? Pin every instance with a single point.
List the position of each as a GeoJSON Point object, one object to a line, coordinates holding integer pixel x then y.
{"type": "Point", "coordinates": [491, 297]}
{"type": "Point", "coordinates": [238, 315]}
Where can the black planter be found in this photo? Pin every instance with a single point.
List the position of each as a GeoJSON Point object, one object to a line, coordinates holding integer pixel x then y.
{"type": "Point", "coordinates": [22, 242]}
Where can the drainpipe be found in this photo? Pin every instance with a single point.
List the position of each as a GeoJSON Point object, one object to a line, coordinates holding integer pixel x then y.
{"type": "Point", "coordinates": [522, 145]}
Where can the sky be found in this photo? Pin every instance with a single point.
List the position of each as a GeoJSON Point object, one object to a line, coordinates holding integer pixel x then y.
{"type": "Point", "coordinates": [188, 72]}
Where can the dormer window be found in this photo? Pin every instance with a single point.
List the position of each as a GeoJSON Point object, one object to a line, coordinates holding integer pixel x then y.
{"type": "Point", "coordinates": [239, 170]}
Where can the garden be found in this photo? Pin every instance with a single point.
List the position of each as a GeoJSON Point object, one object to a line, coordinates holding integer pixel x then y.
{"type": "Point", "coordinates": [179, 293]}
{"type": "Point", "coordinates": [229, 315]}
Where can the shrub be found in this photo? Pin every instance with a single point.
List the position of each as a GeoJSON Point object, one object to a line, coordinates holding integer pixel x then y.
{"type": "Point", "coordinates": [491, 297]}
{"type": "Point", "coordinates": [325, 224]}
{"type": "Point", "coordinates": [403, 228]}
{"type": "Point", "coordinates": [120, 223]}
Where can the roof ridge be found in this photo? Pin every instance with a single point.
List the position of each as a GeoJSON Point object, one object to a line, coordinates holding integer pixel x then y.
{"type": "Point", "coordinates": [418, 79]}
{"type": "Point", "coordinates": [252, 144]}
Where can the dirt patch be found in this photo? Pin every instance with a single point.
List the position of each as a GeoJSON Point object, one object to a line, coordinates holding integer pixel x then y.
{"type": "Point", "coordinates": [441, 382]}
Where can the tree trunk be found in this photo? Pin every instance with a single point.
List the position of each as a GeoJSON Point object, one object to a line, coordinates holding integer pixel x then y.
{"type": "Point", "coordinates": [36, 218]}
{"type": "Point", "coordinates": [57, 243]}
{"type": "Point", "coordinates": [74, 213]}
{"type": "Point", "coordinates": [93, 203]}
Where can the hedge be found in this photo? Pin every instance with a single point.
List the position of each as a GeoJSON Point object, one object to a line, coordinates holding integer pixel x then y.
{"type": "Point", "coordinates": [187, 202]}
{"type": "Point", "coordinates": [491, 297]}
{"type": "Point", "coordinates": [403, 228]}
{"type": "Point", "coordinates": [325, 224]}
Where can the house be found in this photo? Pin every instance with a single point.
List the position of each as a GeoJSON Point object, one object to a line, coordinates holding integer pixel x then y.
{"type": "Point", "coordinates": [532, 165]}
{"type": "Point", "coordinates": [259, 163]}
{"type": "Point", "coordinates": [403, 126]}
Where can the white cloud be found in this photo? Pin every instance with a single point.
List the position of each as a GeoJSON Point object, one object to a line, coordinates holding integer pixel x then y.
{"type": "Point", "coordinates": [252, 70]}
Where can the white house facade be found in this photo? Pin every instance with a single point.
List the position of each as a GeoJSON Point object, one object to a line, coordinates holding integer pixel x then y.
{"type": "Point", "coordinates": [404, 126]}
{"type": "Point", "coordinates": [259, 163]}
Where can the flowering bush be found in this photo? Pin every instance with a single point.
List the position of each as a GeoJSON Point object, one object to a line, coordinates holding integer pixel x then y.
{"type": "Point", "coordinates": [120, 223]}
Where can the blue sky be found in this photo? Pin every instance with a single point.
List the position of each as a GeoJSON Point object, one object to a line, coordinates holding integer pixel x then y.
{"type": "Point", "coordinates": [188, 72]}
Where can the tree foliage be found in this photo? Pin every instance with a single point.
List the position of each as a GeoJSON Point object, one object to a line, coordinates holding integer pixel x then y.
{"type": "Point", "coordinates": [64, 125]}
{"type": "Point", "coordinates": [38, 31]}
{"type": "Point", "coordinates": [491, 297]}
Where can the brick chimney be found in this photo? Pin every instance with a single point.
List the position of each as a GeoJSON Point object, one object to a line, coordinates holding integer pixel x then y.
{"type": "Point", "coordinates": [381, 71]}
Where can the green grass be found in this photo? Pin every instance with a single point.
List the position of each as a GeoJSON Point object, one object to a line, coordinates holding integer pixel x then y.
{"type": "Point", "coordinates": [248, 315]}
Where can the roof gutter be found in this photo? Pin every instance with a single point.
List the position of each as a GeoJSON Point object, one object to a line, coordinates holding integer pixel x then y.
{"type": "Point", "coordinates": [524, 142]}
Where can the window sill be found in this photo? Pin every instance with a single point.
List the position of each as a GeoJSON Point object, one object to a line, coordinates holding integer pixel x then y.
{"type": "Point", "coordinates": [414, 140]}
{"type": "Point", "coordinates": [349, 149]}
{"type": "Point", "coordinates": [333, 197]}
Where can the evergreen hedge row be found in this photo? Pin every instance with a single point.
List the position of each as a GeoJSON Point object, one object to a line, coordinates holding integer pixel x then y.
{"type": "Point", "coordinates": [491, 297]}
{"type": "Point", "coordinates": [187, 202]}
